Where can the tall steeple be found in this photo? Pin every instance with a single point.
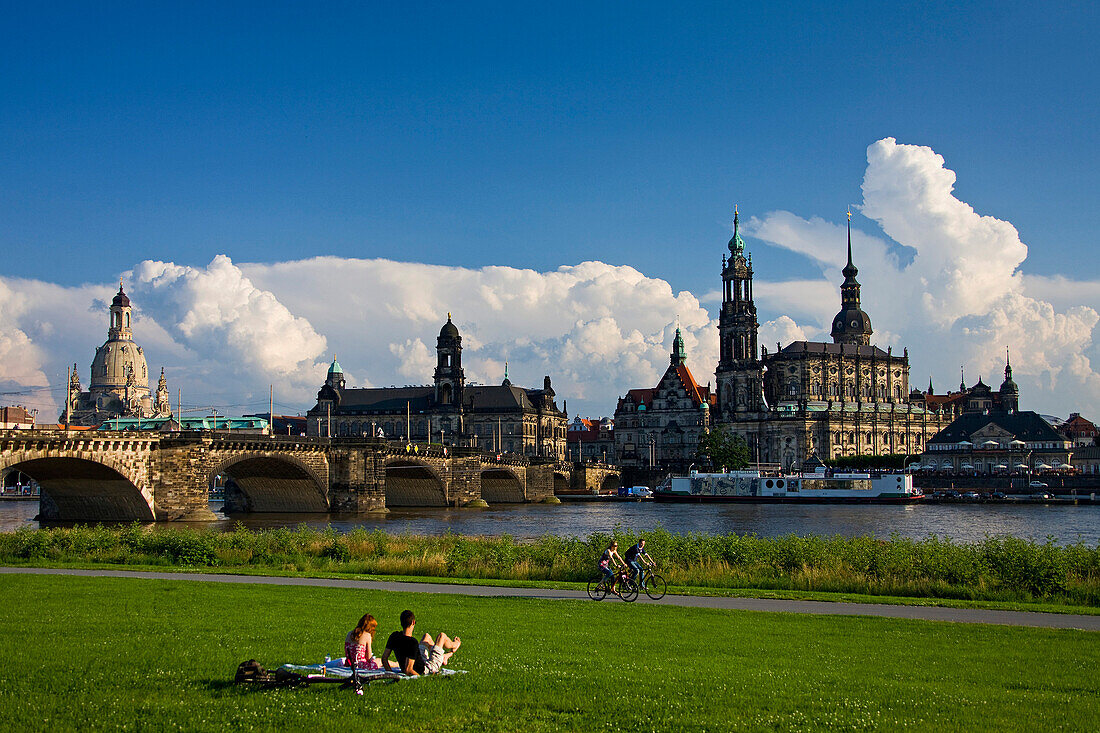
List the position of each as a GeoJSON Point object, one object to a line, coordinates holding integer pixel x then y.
{"type": "Point", "coordinates": [1010, 393]}
{"type": "Point", "coordinates": [851, 325]}
{"type": "Point", "coordinates": [739, 374]}
{"type": "Point", "coordinates": [736, 245]}
{"type": "Point", "coordinates": [450, 379]}
{"type": "Point", "coordinates": [678, 356]}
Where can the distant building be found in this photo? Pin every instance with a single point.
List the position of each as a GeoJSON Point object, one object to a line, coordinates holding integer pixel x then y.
{"type": "Point", "coordinates": [16, 418]}
{"type": "Point", "coordinates": [844, 398]}
{"type": "Point", "coordinates": [1081, 431]}
{"type": "Point", "coordinates": [284, 424]}
{"type": "Point", "coordinates": [591, 440]}
{"type": "Point", "coordinates": [500, 418]}
{"type": "Point", "coordinates": [662, 426]}
{"type": "Point", "coordinates": [992, 435]}
{"type": "Point", "coordinates": [1087, 459]}
{"type": "Point", "coordinates": [118, 385]}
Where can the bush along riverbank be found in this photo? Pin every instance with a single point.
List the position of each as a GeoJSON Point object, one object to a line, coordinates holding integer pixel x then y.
{"type": "Point", "coordinates": [995, 569]}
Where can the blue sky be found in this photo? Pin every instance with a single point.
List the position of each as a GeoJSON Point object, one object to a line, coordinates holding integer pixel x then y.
{"type": "Point", "coordinates": [531, 137]}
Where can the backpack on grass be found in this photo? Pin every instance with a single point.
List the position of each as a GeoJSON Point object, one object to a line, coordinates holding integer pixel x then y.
{"type": "Point", "coordinates": [252, 671]}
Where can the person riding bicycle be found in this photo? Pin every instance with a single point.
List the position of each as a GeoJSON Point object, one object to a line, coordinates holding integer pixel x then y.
{"type": "Point", "coordinates": [635, 557]}
{"type": "Point", "coordinates": [609, 562]}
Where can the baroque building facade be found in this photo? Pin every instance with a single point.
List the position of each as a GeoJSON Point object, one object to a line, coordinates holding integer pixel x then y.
{"type": "Point", "coordinates": [844, 398]}
{"type": "Point", "coordinates": [662, 426]}
{"type": "Point", "coordinates": [500, 418]}
{"type": "Point", "coordinates": [118, 383]}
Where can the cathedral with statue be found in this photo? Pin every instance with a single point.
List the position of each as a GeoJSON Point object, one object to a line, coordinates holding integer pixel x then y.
{"type": "Point", "coordinates": [118, 383]}
{"type": "Point", "coordinates": [829, 400]}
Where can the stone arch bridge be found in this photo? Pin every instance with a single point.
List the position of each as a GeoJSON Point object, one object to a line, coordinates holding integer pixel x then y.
{"type": "Point", "coordinates": [120, 476]}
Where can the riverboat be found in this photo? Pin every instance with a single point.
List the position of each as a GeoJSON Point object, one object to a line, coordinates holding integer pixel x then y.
{"type": "Point", "coordinates": [802, 488]}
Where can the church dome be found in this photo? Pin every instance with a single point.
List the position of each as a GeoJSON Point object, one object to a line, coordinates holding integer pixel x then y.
{"type": "Point", "coordinates": [113, 362]}
{"type": "Point", "coordinates": [449, 330]}
{"type": "Point", "coordinates": [851, 321]}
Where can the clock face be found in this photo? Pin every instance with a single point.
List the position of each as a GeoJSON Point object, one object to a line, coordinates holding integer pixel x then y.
{"type": "Point", "coordinates": [855, 324]}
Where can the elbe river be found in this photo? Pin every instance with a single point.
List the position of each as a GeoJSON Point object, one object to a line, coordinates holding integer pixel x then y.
{"type": "Point", "coordinates": [960, 522]}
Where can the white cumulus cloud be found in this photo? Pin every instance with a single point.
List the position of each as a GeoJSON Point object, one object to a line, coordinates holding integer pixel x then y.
{"type": "Point", "coordinates": [961, 298]}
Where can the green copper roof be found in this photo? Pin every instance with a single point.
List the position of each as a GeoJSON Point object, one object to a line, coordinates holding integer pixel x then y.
{"type": "Point", "coordinates": [335, 368]}
{"type": "Point", "coordinates": [679, 356]}
{"type": "Point", "coordinates": [737, 245]}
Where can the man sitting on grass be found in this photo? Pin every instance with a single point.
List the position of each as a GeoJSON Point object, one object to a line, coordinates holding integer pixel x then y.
{"type": "Point", "coordinates": [415, 659]}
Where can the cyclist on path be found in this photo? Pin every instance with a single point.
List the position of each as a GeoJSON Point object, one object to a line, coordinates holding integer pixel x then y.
{"type": "Point", "coordinates": [609, 562]}
{"type": "Point", "coordinates": [635, 557]}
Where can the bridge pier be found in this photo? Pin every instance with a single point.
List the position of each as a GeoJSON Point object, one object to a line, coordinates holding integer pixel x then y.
{"type": "Point", "coordinates": [356, 481]}
{"type": "Point", "coordinates": [182, 493]}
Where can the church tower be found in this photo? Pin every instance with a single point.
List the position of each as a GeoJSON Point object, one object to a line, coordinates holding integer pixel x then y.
{"type": "Point", "coordinates": [449, 377]}
{"type": "Point", "coordinates": [1010, 393]}
{"type": "Point", "coordinates": [851, 325]}
{"type": "Point", "coordinates": [739, 371]}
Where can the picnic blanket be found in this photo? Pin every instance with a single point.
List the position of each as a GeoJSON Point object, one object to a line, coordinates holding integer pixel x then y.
{"type": "Point", "coordinates": [336, 669]}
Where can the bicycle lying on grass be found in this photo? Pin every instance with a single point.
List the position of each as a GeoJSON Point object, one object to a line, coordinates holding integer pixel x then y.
{"type": "Point", "coordinates": [625, 588]}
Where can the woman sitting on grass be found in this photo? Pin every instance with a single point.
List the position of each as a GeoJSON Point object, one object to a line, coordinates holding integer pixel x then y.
{"type": "Point", "coordinates": [357, 645]}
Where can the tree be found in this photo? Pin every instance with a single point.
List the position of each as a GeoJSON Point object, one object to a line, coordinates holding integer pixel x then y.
{"type": "Point", "coordinates": [724, 450]}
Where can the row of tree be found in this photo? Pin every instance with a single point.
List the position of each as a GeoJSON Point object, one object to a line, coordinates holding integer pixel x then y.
{"type": "Point", "coordinates": [722, 450]}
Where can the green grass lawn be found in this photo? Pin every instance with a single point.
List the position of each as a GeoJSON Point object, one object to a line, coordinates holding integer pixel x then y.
{"type": "Point", "coordinates": [142, 654]}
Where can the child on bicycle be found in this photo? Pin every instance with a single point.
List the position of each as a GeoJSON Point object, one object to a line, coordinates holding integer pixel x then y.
{"type": "Point", "coordinates": [609, 562]}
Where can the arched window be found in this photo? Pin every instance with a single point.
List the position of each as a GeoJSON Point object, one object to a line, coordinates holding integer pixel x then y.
{"type": "Point", "coordinates": [897, 391]}
{"type": "Point", "coordinates": [836, 437]}
{"type": "Point", "coordinates": [851, 438]}
{"type": "Point", "coordinates": [792, 388]}
{"type": "Point", "coordinates": [870, 438]}
{"type": "Point", "coordinates": [886, 438]}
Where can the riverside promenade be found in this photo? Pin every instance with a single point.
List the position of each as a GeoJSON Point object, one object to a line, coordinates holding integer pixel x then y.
{"type": "Point", "coordinates": [768, 605]}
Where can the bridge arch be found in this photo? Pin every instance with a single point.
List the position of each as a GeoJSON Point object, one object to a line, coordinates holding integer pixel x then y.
{"type": "Point", "coordinates": [411, 483]}
{"type": "Point", "coordinates": [561, 483]}
{"type": "Point", "coordinates": [94, 488]}
{"type": "Point", "coordinates": [502, 486]}
{"type": "Point", "coordinates": [610, 483]}
{"type": "Point", "coordinates": [270, 482]}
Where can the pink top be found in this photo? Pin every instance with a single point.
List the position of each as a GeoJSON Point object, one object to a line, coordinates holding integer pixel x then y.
{"type": "Point", "coordinates": [358, 652]}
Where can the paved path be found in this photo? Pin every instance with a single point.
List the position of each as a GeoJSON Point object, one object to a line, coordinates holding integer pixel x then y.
{"type": "Point", "coordinates": [924, 613]}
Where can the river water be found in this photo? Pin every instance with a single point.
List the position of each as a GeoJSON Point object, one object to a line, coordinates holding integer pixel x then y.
{"type": "Point", "coordinates": [961, 522]}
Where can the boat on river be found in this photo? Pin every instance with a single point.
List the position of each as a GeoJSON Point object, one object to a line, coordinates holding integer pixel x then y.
{"type": "Point", "coordinates": [820, 487]}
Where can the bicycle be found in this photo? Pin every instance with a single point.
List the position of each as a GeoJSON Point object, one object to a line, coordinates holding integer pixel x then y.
{"type": "Point", "coordinates": [654, 585]}
{"type": "Point", "coordinates": [626, 588]}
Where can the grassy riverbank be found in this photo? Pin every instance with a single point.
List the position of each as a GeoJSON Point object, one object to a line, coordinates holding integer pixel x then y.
{"type": "Point", "coordinates": [162, 656]}
{"type": "Point", "coordinates": [996, 569]}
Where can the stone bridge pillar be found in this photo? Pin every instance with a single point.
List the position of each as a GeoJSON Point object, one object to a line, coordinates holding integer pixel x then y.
{"type": "Point", "coordinates": [465, 479]}
{"type": "Point", "coordinates": [540, 482]}
{"type": "Point", "coordinates": [357, 480]}
{"type": "Point", "coordinates": [180, 471]}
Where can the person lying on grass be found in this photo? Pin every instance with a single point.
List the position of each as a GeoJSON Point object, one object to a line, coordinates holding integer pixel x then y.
{"type": "Point", "coordinates": [357, 645]}
{"type": "Point", "coordinates": [609, 562]}
{"type": "Point", "coordinates": [426, 657]}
